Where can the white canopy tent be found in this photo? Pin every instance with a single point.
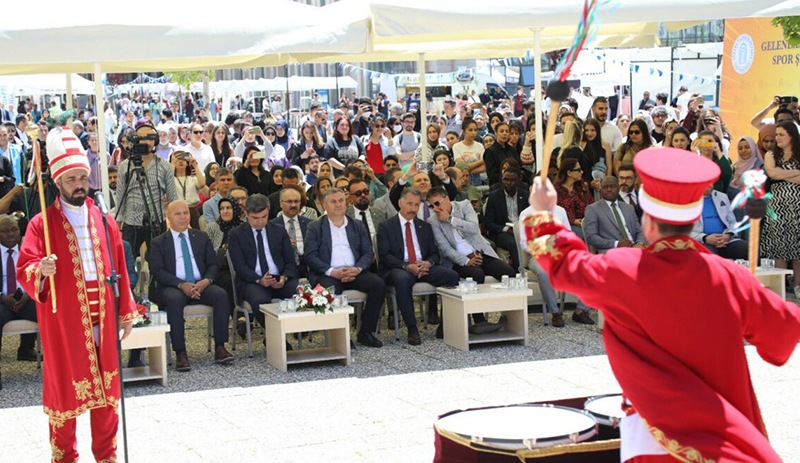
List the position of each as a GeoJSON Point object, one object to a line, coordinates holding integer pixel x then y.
{"type": "Point", "coordinates": [37, 84]}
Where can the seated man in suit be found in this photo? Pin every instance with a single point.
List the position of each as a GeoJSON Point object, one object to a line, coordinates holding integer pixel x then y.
{"type": "Point", "coordinates": [423, 181]}
{"type": "Point", "coordinates": [296, 225]}
{"type": "Point", "coordinates": [262, 257]}
{"type": "Point", "coordinates": [359, 209]}
{"type": "Point", "coordinates": [339, 253]}
{"type": "Point", "coordinates": [716, 228]}
{"type": "Point", "coordinates": [408, 255]}
{"type": "Point", "coordinates": [461, 245]}
{"type": "Point", "coordinates": [627, 188]}
{"type": "Point", "coordinates": [611, 223]}
{"type": "Point", "coordinates": [184, 266]}
{"type": "Point", "coordinates": [502, 212]}
{"type": "Point", "coordinates": [14, 303]}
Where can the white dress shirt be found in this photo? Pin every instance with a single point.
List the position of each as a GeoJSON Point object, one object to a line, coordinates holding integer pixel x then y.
{"type": "Point", "coordinates": [180, 271]}
{"type": "Point", "coordinates": [4, 262]}
{"type": "Point", "coordinates": [78, 217]}
{"type": "Point", "coordinates": [368, 214]}
{"type": "Point", "coordinates": [273, 268]}
{"type": "Point", "coordinates": [622, 217]}
{"type": "Point", "coordinates": [341, 254]}
{"type": "Point", "coordinates": [417, 249]}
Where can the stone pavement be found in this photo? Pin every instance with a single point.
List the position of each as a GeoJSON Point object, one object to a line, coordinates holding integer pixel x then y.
{"type": "Point", "coordinates": [381, 409]}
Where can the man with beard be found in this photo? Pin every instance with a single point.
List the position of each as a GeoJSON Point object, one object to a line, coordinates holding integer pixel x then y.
{"type": "Point", "coordinates": [359, 209]}
{"type": "Point", "coordinates": [609, 133]}
{"type": "Point", "coordinates": [627, 188]}
{"type": "Point", "coordinates": [78, 328]}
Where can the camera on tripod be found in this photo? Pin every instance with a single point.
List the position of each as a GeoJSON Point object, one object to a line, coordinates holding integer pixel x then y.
{"type": "Point", "coordinates": [141, 143]}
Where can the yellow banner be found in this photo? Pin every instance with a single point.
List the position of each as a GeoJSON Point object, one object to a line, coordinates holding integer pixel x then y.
{"type": "Point", "coordinates": [757, 65]}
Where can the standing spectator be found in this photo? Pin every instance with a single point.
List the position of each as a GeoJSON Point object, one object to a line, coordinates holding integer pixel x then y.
{"type": "Point", "coordinates": [199, 150]}
{"type": "Point", "coordinates": [646, 102]}
{"type": "Point", "coordinates": [220, 145]}
{"type": "Point", "coordinates": [709, 146]}
{"type": "Point", "coordinates": [378, 144]}
{"type": "Point", "coordinates": [189, 182]}
{"type": "Point", "coordinates": [781, 238]}
{"type": "Point", "coordinates": [407, 141]}
{"type": "Point", "coordinates": [749, 158]}
{"type": "Point", "coordinates": [500, 150]}
{"type": "Point", "coordinates": [638, 139]}
{"type": "Point", "coordinates": [344, 146]}
{"type": "Point", "coordinates": [13, 167]}
{"type": "Point", "coordinates": [93, 154]}
{"type": "Point", "coordinates": [309, 143]}
{"type": "Point", "coordinates": [766, 139]}
{"type": "Point", "coordinates": [471, 152]}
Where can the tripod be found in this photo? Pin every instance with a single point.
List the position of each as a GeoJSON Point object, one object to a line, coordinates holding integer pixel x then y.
{"type": "Point", "coordinates": [151, 209]}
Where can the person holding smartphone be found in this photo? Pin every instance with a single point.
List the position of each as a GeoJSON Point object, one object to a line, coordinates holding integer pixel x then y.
{"type": "Point", "coordinates": [189, 182]}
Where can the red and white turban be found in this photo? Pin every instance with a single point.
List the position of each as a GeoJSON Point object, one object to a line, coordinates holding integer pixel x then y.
{"type": "Point", "coordinates": [65, 152]}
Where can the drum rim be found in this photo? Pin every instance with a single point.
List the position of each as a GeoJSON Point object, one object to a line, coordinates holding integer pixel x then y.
{"type": "Point", "coordinates": [498, 443]}
{"type": "Point", "coordinates": [606, 419]}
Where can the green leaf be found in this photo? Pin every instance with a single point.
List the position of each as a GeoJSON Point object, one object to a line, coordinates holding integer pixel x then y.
{"type": "Point", "coordinates": [791, 28]}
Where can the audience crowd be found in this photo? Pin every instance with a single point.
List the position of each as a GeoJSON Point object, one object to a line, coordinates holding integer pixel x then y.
{"type": "Point", "coordinates": [248, 207]}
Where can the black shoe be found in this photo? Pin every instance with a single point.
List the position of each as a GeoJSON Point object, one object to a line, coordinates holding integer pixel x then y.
{"type": "Point", "coordinates": [557, 320]}
{"type": "Point", "coordinates": [241, 329]}
{"type": "Point", "coordinates": [26, 355]}
{"type": "Point", "coordinates": [135, 359]}
{"type": "Point", "coordinates": [413, 336]}
{"type": "Point", "coordinates": [289, 347]}
{"type": "Point", "coordinates": [433, 318]}
{"type": "Point", "coordinates": [580, 316]}
{"type": "Point", "coordinates": [440, 331]}
{"type": "Point", "coordinates": [369, 340]}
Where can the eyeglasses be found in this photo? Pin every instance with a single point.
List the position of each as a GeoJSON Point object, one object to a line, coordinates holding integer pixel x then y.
{"type": "Point", "coordinates": [379, 126]}
{"type": "Point", "coordinates": [635, 132]}
{"type": "Point", "coordinates": [291, 201]}
{"type": "Point", "coordinates": [197, 132]}
{"type": "Point", "coordinates": [270, 134]}
{"type": "Point", "coordinates": [360, 193]}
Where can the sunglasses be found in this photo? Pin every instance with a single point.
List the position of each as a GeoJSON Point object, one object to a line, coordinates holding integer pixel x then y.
{"type": "Point", "coordinates": [379, 126]}
{"type": "Point", "coordinates": [360, 193]}
{"type": "Point", "coordinates": [434, 203]}
{"type": "Point", "coordinates": [270, 134]}
{"type": "Point", "coordinates": [576, 170]}
{"type": "Point", "coordinates": [197, 132]}
{"type": "Point", "coordinates": [635, 132]}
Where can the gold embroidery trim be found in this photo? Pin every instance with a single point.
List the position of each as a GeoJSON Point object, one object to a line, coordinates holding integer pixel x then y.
{"type": "Point", "coordinates": [675, 245]}
{"type": "Point", "coordinates": [58, 418]}
{"type": "Point", "coordinates": [540, 218]}
{"type": "Point", "coordinates": [108, 377]}
{"type": "Point", "coordinates": [56, 452]}
{"type": "Point", "coordinates": [674, 448]}
{"type": "Point", "coordinates": [544, 245]}
{"type": "Point", "coordinates": [82, 389]}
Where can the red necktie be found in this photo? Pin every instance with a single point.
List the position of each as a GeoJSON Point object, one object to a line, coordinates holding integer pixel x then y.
{"type": "Point", "coordinates": [11, 273]}
{"type": "Point", "coordinates": [412, 255]}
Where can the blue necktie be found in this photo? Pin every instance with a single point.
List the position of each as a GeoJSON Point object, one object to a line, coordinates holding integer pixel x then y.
{"type": "Point", "coordinates": [426, 211]}
{"type": "Point", "coordinates": [262, 254]}
{"type": "Point", "coordinates": [187, 259]}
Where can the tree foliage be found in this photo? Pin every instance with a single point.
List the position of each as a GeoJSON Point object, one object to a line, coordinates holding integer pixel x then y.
{"type": "Point", "coordinates": [791, 28]}
{"type": "Point", "coordinates": [185, 79]}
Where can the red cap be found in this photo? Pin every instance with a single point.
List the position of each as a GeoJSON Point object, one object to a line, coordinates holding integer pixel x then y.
{"type": "Point", "coordinates": [673, 183]}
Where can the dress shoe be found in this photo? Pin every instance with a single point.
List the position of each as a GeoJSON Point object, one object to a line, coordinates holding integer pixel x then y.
{"type": "Point", "coordinates": [433, 318]}
{"type": "Point", "coordinates": [413, 336]}
{"type": "Point", "coordinates": [289, 347]}
{"type": "Point", "coordinates": [582, 317]}
{"type": "Point", "coordinates": [182, 362]}
{"type": "Point", "coordinates": [241, 329]}
{"type": "Point", "coordinates": [135, 359]}
{"type": "Point", "coordinates": [440, 331]}
{"type": "Point", "coordinates": [369, 340]}
{"type": "Point", "coordinates": [221, 355]}
{"type": "Point", "coordinates": [26, 355]}
{"type": "Point", "coordinates": [557, 320]}
{"type": "Point", "coordinates": [484, 328]}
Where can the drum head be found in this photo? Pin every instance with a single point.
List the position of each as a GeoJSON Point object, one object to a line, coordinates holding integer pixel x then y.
{"type": "Point", "coordinates": [519, 427]}
{"type": "Point", "coordinates": [607, 409]}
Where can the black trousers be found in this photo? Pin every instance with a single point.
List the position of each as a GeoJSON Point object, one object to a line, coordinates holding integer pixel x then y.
{"type": "Point", "coordinates": [403, 282]}
{"type": "Point", "coordinates": [491, 266]}
{"type": "Point", "coordinates": [366, 282]}
{"type": "Point", "coordinates": [506, 241]}
{"type": "Point", "coordinates": [736, 249]}
{"type": "Point", "coordinates": [26, 312]}
{"type": "Point", "coordinates": [174, 301]}
{"type": "Point", "coordinates": [255, 295]}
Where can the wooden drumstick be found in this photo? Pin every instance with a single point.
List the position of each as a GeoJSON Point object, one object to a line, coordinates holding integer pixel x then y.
{"type": "Point", "coordinates": [755, 208]}
{"type": "Point", "coordinates": [557, 91]}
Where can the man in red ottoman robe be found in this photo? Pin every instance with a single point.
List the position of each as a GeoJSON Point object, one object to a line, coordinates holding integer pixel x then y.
{"type": "Point", "coordinates": [676, 318]}
{"type": "Point", "coordinates": [79, 334]}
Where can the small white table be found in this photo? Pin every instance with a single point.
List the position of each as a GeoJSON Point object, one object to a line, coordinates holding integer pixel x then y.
{"type": "Point", "coordinates": [279, 324]}
{"type": "Point", "coordinates": [456, 307]}
{"type": "Point", "coordinates": [154, 339]}
{"type": "Point", "coordinates": [774, 279]}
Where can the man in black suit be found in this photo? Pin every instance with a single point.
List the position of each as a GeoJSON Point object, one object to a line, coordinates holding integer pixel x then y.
{"type": "Point", "coordinates": [339, 253]}
{"type": "Point", "coordinates": [502, 212]}
{"type": "Point", "coordinates": [627, 188]}
{"type": "Point", "coordinates": [262, 257]}
{"type": "Point", "coordinates": [296, 225]}
{"type": "Point", "coordinates": [409, 255]}
{"type": "Point", "coordinates": [184, 265]}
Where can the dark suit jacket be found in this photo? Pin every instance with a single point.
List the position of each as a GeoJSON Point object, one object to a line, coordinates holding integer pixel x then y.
{"type": "Point", "coordinates": [302, 270]}
{"type": "Point", "coordinates": [162, 258]}
{"type": "Point", "coordinates": [637, 209]}
{"type": "Point", "coordinates": [319, 245]}
{"type": "Point", "coordinates": [497, 212]}
{"type": "Point", "coordinates": [391, 245]}
{"type": "Point", "coordinates": [243, 252]}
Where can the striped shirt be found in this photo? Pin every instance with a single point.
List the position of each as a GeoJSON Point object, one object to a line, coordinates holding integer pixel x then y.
{"type": "Point", "coordinates": [160, 182]}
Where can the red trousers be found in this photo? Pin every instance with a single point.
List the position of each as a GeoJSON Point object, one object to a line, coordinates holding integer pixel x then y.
{"type": "Point", "coordinates": [104, 423]}
{"type": "Point", "coordinates": [652, 459]}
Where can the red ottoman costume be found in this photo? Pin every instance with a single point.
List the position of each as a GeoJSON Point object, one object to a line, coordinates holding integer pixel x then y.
{"type": "Point", "coordinates": [81, 371]}
{"type": "Point", "coordinates": [676, 317]}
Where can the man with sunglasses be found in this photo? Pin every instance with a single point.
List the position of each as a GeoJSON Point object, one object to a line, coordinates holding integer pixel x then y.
{"type": "Point", "coordinates": [359, 209]}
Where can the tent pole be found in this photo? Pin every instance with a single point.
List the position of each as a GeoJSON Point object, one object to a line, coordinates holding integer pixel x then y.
{"type": "Point", "coordinates": [537, 76]}
{"type": "Point", "coordinates": [288, 96]}
{"type": "Point", "coordinates": [102, 142]}
{"type": "Point", "coordinates": [423, 101]}
{"type": "Point", "coordinates": [336, 67]}
{"type": "Point", "coordinates": [69, 93]}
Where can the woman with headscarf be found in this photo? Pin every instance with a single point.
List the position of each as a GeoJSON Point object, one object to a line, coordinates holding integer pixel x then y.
{"type": "Point", "coordinates": [217, 231]}
{"type": "Point", "coordinates": [282, 137]}
{"type": "Point", "coordinates": [252, 176]}
{"type": "Point", "coordinates": [766, 139]}
{"type": "Point", "coordinates": [275, 152]}
{"type": "Point", "coordinates": [749, 158]}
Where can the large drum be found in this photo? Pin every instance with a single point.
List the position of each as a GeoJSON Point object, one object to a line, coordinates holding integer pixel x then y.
{"type": "Point", "coordinates": [607, 410]}
{"type": "Point", "coordinates": [512, 430]}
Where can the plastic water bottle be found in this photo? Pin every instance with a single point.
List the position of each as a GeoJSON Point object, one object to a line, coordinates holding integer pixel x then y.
{"type": "Point", "coordinates": [146, 302]}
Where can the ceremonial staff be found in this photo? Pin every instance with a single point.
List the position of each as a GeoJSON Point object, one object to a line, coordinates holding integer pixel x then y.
{"type": "Point", "coordinates": [32, 130]}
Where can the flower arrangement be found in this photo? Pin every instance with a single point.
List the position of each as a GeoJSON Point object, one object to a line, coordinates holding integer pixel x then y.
{"type": "Point", "coordinates": [144, 319]}
{"type": "Point", "coordinates": [318, 299]}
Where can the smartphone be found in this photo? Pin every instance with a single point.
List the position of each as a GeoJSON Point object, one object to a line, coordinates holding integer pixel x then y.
{"type": "Point", "coordinates": [786, 100]}
{"type": "Point", "coordinates": [709, 120]}
{"type": "Point", "coordinates": [703, 143]}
